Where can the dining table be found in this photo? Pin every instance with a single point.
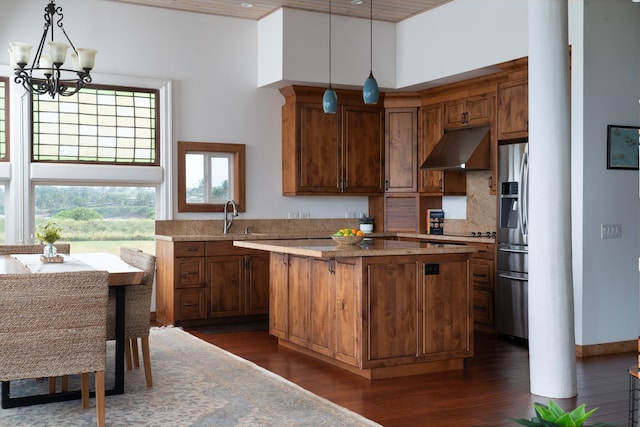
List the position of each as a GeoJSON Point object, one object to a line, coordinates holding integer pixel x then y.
{"type": "Point", "coordinates": [121, 275]}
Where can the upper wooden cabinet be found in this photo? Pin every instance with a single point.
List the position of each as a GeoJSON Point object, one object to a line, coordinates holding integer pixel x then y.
{"type": "Point", "coordinates": [401, 149]}
{"type": "Point", "coordinates": [331, 154]}
{"type": "Point", "coordinates": [469, 111]}
{"type": "Point", "coordinates": [513, 109]}
{"type": "Point", "coordinates": [436, 182]}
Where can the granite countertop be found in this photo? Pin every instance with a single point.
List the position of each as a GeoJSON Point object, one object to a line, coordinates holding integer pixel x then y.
{"type": "Point", "coordinates": [327, 248]}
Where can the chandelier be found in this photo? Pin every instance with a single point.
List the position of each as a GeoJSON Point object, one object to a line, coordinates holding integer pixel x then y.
{"type": "Point", "coordinates": [46, 73]}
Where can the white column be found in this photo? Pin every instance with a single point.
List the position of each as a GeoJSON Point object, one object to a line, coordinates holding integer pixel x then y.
{"type": "Point", "coordinates": [551, 323]}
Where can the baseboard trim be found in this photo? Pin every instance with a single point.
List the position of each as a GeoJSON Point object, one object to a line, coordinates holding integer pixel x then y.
{"type": "Point", "coordinates": [606, 348]}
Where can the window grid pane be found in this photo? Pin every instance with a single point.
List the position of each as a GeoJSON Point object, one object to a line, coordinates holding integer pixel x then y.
{"type": "Point", "coordinates": [4, 118]}
{"type": "Point", "coordinates": [97, 125]}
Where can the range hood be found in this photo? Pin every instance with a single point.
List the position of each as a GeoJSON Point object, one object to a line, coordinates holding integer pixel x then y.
{"type": "Point", "coordinates": [461, 149]}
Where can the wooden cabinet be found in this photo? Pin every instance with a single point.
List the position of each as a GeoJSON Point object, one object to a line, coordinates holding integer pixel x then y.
{"type": "Point", "coordinates": [237, 280]}
{"type": "Point", "coordinates": [375, 315]}
{"type": "Point", "coordinates": [469, 111]}
{"type": "Point", "coordinates": [483, 276]}
{"type": "Point", "coordinates": [198, 282]}
{"type": "Point", "coordinates": [326, 154]}
{"type": "Point", "coordinates": [401, 149]}
{"type": "Point", "coordinates": [436, 182]}
{"type": "Point", "coordinates": [513, 109]}
{"type": "Point", "coordinates": [447, 308]}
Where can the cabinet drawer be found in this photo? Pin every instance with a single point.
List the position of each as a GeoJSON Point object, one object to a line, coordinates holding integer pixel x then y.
{"type": "Point", "coordinates": [189, 272]}
{"type": "Point", "coordinates": [190, 304]}
{"type": "Point", "coordinates": [485, 250]}
{"type": "Point", "coordinates": [188, 249]}
{"type": "Point", "coordinates": [225, 247]}
{"type": "Point", "coordinates": [483, 307]}
{"type": "Point", "coordinates": [481, 271]}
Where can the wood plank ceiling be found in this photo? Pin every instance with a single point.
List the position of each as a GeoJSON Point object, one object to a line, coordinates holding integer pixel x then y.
{"type": "Point", "coordinates": [383, 10]}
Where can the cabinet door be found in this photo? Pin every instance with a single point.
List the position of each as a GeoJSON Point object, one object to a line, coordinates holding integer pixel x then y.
{"type": "Point", "coordinates": [348, 323]}
{"type": "Point", "coordinates": [256, 284]}
{"type": "Point", "coordinates": [447, 309]}
{"type": "Point", "coordinates": [189, 272]}
{"type": "Point", "coordinates": [435, 182]}
{"type": "Point", "coordinates": [391, 309]}
{"type": "Point", "coordinates": [479, 109]}
{"type": "Point", "coordinates": [190, 304]}
{"type": "Point", "coordinates": [298, 315]}
{"type": "Point", "coordinates": [401, 213]}
{"type": "Point", "coordinates": [278, 294]}
{"type": "Point", "coordinates": [318, 166]}
{"type": "Point", "coordinates": [362, 150]}
{"type": "Point", "coordinates": [321, 307]}
{"type": "Point", "coordinates": [401, 149]}
{"type": "Point", "coordinates": [225, 290]}
{"type": "Point", "coordinates": [513, 109]}
{"type": "Point", "coordinates": [455, 113]}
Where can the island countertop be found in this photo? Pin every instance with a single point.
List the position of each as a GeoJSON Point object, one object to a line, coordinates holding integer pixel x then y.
{"type": "Point", "coordinates": [327, 248]}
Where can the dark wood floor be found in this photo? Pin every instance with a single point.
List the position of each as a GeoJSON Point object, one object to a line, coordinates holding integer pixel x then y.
{"type": "Point", "coordinates": [493, 387]}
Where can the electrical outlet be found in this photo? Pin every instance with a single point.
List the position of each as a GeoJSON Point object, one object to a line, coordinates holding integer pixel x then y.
{"type": "Point", "coordinates": [610, 231]}
{"type": "Point", "coordinates": [294, 215]}
{"type": "Point", "coordinates": [304, 215]}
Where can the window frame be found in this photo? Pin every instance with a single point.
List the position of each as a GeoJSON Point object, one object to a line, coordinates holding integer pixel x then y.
{"type": "Point", "coordinates": [7, 120]}
{"type": "Point", "coordinates": [237, 151]}
{"type": "Point", "coordinates": [114, 87]}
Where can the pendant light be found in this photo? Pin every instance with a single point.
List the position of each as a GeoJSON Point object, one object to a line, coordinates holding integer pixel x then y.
{"type": "Point", "coordinates": [370, 90]}
{"type": "Point", "coordinates": [330, 99]}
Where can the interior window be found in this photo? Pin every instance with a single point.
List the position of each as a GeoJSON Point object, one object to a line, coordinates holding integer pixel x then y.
{"type": "Point", "coordinates": [209, 174]}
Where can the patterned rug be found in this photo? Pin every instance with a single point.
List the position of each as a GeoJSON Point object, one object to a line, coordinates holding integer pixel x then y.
{"type": "Point", "coordinates": [194, 384]}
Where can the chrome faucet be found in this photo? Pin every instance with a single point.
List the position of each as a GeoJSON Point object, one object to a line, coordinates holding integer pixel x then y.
{"type": "Point", "coordinates": [229, 220]}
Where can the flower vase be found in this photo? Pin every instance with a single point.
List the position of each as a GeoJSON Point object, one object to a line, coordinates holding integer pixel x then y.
{"type": "Point", "coordinates": [49, 251]}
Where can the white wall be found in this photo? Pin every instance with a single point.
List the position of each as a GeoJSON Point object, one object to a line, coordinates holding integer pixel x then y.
{"type": "Point", "coordinates": [458, 38]}
{"type": "Point", "coordinates": [611, 92]}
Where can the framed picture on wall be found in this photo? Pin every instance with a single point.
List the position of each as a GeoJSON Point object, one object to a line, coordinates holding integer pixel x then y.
{"type": "Point", "coordinates": [622, 147]}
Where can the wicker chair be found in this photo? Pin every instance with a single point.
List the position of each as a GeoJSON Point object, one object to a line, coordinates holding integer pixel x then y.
{"type": "Point", "coordinates": [63, 248]}
{"type": "Point", "coordinates": [137, 310]}
{"type": "Point", "coordinates": [64, 313]}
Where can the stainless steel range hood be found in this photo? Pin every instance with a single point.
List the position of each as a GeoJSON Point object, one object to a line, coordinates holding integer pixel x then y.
{"type": "Point", "coordinates": [461, 149]}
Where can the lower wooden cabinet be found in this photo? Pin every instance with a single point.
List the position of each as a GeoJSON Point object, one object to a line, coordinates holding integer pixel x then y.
{"type": "Point", "coordinates": [381, 316]}
{"type": "Point", "coordinates": [483, 276]}
{"type": "Point", "coordinates": [203, 281]}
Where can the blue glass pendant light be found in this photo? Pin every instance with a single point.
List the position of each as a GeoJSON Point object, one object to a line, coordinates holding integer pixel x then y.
{"type": "Point", "coordinates": [330, 99]}
{"type": "Point", "coordinates": [370, 90]}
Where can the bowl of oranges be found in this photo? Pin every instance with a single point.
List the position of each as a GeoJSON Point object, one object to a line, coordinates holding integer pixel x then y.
{"type": "Point", "coordinates": [348, 236]}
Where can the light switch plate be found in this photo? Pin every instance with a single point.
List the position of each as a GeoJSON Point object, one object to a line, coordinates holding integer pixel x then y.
{"type": "Point", "coordinates": [611, 231]}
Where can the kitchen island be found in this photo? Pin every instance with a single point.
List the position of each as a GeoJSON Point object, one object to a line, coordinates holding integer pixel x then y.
{"type": "Point", "coordinates": [380, 309]}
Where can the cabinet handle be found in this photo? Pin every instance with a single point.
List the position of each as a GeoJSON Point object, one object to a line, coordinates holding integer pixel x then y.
{"type": "Point", "coordinates": [386, 185]}
{"type": "Point", "coordinates": [479, 275]}
{"type": "Point", "coordinates": [189, 304]}
{"type": "Point", "coordinates": [490, 181]}
{"type": "Point", "coordinates": [440, 184]}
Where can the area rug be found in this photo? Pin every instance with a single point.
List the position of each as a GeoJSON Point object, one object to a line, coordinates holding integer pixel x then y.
{"type": "Point", "coordinates": [194, 384]}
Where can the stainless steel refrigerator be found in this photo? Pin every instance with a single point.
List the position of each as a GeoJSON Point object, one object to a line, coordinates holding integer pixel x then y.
{"type": "Point", "coordinates": [512, 236]}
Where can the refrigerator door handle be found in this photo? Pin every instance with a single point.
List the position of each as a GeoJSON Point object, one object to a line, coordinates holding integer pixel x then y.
{"type": "Point", "coordinates": [510, 277]}
{"type": "Point", "coordinates": [523, 194]}
{"type": "Point", "coordinates": [514, 251]}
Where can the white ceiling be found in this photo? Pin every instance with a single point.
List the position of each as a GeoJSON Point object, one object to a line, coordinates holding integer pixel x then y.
{"type": "Point", "coordinates": [383, 10]}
